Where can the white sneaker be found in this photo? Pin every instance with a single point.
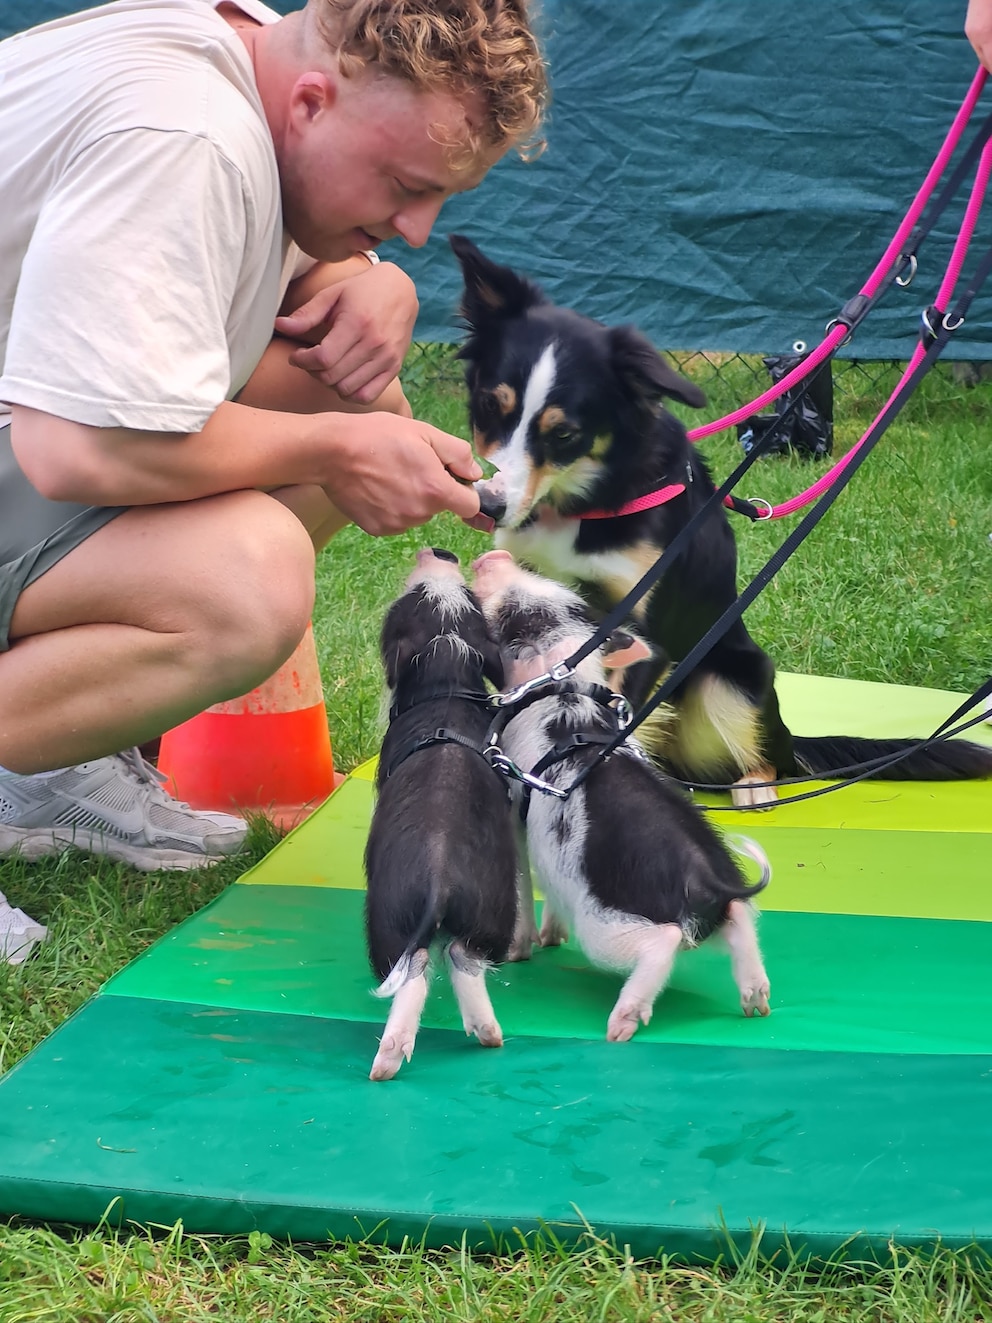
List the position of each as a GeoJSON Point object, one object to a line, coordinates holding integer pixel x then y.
{"type": "Point", "coordinates": [18, 933]}
{"type": "Point", "coordinates": [114, 807]}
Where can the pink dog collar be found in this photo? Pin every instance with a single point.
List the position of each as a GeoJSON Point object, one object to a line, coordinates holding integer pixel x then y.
{"type": "Point", "coordinates": [661, 497]}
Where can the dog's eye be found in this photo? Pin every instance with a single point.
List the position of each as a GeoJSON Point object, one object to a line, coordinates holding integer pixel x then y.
{"type": "Point", "coordinates": [487, 410]}
{"type": "Point", "coordinates": [562, 435]}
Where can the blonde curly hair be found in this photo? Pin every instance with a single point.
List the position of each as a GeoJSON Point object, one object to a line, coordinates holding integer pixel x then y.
{"type": "Point", "coordinates": [486, 48]}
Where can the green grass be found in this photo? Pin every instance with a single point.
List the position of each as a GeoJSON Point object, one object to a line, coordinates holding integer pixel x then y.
{"type": "Point", "coordinates": [895, 585]}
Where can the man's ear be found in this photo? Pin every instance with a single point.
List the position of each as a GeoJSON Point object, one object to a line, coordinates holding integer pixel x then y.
{"type": "Point", "coordinates": [312, 93]}
{"type": "Point", "coordinates": [623, 649]}
{"type": "Point", "coordinates": [491, 291]}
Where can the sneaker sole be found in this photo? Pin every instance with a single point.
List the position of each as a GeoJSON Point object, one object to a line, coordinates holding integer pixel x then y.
{"type": "Point", "coordinates": [38, 843]}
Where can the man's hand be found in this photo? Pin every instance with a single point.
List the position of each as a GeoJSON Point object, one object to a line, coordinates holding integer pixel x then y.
{"type": "Point", "coordinates": [978, 30]}
{"type": "Point", "coordinates": [359, 331]}
{"type": "Point", "coordinates": [396, 473]}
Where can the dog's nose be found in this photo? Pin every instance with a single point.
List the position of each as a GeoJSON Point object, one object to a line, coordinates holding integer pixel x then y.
{"type": "Point", "coordinates": [492, 504]}
{"type": "Point", "coordinates": [441, 554]}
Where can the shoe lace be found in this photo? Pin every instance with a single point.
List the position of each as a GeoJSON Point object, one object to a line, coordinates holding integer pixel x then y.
{"type": "Point", "coordinates": [139, 769]}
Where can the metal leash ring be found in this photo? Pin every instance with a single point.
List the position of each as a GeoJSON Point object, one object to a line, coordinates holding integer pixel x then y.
{"type": "Point", "coordinates": [758, 502]}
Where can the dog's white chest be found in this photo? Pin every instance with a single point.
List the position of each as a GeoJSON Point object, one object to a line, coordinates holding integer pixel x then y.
{"type": "Point", "coordinates": [549, 546]}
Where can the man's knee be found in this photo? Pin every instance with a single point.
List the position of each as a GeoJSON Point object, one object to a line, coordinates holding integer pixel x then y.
{"type": "Point", "coordinates": [257, 605]}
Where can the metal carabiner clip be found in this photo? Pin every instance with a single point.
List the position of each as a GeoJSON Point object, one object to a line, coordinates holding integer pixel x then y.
{"type": "Point", "coordinates": [624, 712]}
{"type": "Point", "coordinates": [560, 672]}
{"type": "Point", "coordinates": [495, 756]}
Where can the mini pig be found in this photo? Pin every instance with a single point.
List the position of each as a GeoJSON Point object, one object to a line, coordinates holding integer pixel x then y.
{"type": "Point", "coordinates": [441, 857]}
{"type": "Point", "coordinates": [627, 861]}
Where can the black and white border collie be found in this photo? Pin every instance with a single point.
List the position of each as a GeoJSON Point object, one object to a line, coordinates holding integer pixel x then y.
{"type": "Point", "coordinates": [572, 415]}
{"type": "Point", "coordinates": [441, 856]}
{"type": "Point", "coordinates": [627, 862]}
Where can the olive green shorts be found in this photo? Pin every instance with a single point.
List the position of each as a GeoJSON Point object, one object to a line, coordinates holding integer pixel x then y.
{"type": "Point", "coordinates": [35, 533]}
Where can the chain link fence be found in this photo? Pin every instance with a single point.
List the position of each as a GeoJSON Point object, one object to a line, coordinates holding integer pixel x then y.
{"type": "Point", "coordinates": [855, 389]}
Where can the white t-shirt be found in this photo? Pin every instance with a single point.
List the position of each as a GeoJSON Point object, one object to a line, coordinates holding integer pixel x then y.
{"type": "Point", "coordinates": [142, 255]}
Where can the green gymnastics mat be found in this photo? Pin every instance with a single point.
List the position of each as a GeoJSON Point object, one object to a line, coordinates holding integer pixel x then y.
{"type": "Point", "coordinates": [221, 1078]}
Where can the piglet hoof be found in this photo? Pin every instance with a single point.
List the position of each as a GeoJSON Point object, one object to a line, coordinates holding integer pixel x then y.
{"type": "Point", "coordinates": [747, 795]}
{"type": "Point", "coordinates": [489, 1035]}
{"type": "Point", "coordinates": [389, 1058]}
{"type": "Point", "coordinates": [623, 1022]}
{"type": "Point", "coordinates": [522, 947]}
{"type": "Point", "coordinates": [553, 932]}
{"type": "Point", "coordinates": [754, 1000]}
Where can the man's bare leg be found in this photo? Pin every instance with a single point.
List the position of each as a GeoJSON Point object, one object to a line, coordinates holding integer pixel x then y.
{"type": "Point", "coordinates": [160, 613]}
{"type": "Point", "coordinates": [167, 609]}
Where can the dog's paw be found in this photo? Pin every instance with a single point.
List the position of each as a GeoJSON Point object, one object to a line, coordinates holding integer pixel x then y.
{"type": "Point", "coordinates": [754, 998]}
{"type": "Point", "coordinates": [624, 1019]}
{"type": "Point", "coordinates": [746, 794]}
{"type": "Point", "coordinates": [391, 1055]}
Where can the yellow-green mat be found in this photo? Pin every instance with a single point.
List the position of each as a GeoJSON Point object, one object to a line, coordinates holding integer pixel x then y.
{"type": "Point", "coordinates": [222, 1077]}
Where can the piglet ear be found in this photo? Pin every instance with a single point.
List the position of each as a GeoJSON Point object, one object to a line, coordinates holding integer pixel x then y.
{"type": "Point", "coordinates": [623, 649]}
{"type": "Point", "coordinates": [491, 291]}
{"type": "Point", "coordinates": [396, 657]}
{"type": "Point", "coordinates": [396, 644]}
{"type": "Point", "coordinates": [492, 664]}
{"type": "Point", "coordinates": [645, 374]}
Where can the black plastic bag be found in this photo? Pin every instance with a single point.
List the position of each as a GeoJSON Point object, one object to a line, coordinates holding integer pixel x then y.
{"type": "Point", "coordinates": [808, 427]}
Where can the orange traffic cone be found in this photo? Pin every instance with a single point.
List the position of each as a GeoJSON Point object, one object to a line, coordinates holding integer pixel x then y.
{"type": "Point", "coordinates": [269, 750]}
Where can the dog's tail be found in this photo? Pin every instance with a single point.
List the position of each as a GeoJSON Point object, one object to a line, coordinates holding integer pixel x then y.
{"type": "Point", "coordinates": [748, 849]}
{"type": "Point", "coordinates": [948, 760]}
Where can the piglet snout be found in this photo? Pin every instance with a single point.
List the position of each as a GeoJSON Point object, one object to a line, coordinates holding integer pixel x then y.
{"type": "Point", "coordinates": [493, 571]}
{"type": "Point", "coordinates": [435, 563]}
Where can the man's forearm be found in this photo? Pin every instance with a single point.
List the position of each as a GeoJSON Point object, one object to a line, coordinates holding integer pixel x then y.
{"type": "Point", "coordinates": [240, 447]}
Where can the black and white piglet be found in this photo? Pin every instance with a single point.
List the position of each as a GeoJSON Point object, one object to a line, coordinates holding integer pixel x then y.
{"type": "Point", "coordinates": [441, 857]}
{"type": "Point", "coordinates": [627, 862]}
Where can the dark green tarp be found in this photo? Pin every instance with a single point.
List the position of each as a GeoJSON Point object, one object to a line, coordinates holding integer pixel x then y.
{"type": "Point", "coordinates": [723, 175]}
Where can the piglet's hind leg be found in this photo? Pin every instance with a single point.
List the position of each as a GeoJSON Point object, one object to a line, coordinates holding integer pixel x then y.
{"type": "Point", "coordinates": [654, 950]}
{"type": "Point", "coordinates": [749, 971]}
{"type": "Point", "coordinates": [400, 1032]}
{"type": "Point", "coordinates": [468, 978]}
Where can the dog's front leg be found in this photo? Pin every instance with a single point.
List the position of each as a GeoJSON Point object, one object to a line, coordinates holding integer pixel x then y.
{"type": "Point", "coordinates": [525, 931]}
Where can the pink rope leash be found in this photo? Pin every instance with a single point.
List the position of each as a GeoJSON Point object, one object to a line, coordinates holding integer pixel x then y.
{"type": "Point", "coordinates": [944, 295]}
{"type": "Point", "coordinates": [872, 284]}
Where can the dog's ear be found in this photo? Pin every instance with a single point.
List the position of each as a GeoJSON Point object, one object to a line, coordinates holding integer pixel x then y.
{"type": "Point", "coordinates": [492, 292]}
{"type": "Point", "coordinates": [645, 374]}
{"type": "Point", "coordinates": [623, 649]}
